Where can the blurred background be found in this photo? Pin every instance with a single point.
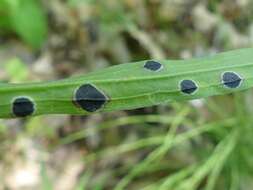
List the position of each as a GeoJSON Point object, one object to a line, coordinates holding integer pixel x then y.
{"type": "Point", "coordinates": [201, 144]}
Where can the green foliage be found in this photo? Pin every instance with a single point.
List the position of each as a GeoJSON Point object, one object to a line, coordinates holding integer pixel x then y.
{"type": "Point", "coordinates": [26, 18]}
{"type": "Point", "coordinates": [17, 70]}
{"type": "Point", "coordinates": [220, 164]}
{"type": "Point", "coordinates": [79, 2]}
{"type": "Point", "coordinates": [45, 180]}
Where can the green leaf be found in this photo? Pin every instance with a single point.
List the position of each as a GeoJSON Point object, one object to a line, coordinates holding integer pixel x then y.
{"type": "Point", "coordinates": [28, 21]}
{"type": "Point", "coordinates": [4, 19]}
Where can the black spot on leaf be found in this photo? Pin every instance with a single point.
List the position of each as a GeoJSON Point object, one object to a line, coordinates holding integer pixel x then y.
{"type": "Point", "coordinates": [22, 107]}
{"type": "Point", "coordinates": [188, 86]}
{"type": "Point", "coordinates": [153, 65]}
{"type": "Point", "coordinates": [231, 80]}
{"type": "Point", "coordinates": [89, 98]}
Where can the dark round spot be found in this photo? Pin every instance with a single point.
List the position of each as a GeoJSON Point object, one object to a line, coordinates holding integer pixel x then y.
{"type": "Point", "coordinates": [89, 98]}
{"type": "Point", "coordinates": [188, 86]}
{"type": "Point", "coordinates": [22, 107]}
{"type": "Point", "coordinates": [153, 65]}
{"type": "Point", "coordinates": [231, 80]}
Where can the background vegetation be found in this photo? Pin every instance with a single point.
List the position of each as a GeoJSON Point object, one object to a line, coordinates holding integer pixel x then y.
{"type": "Point", "coordinates": [201, 144]}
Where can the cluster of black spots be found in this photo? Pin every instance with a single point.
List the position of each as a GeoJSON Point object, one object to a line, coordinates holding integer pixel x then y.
{"type": "Point", "coordinates": [89, 98]}
{"type": "Point", "coordinates": [23, 107]}
{"type": "Point", "coordinates": [153, 65]}
{"type": "Point", "coordinates": [231, 79]}
{"type": "Point", "coordinates": [188, 86]}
